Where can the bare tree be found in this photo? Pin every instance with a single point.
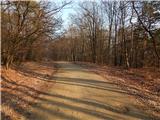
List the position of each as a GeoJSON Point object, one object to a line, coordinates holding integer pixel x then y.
{"type": "Point", "coordinates": [24, 22]}
{"type": "Point", "coordinates": [147, 29]}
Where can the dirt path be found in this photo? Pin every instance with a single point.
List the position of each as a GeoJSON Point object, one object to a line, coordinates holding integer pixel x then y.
{"type": "Point", "coordinates": [82, 95]}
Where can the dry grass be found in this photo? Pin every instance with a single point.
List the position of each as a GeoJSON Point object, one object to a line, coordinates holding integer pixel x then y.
{"type": "Point", "coordinates": [143, 83]}
{"type": "Point", "coordinates": [21, 86]}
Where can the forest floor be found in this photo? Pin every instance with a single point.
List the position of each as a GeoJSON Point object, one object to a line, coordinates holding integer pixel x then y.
{"type": "Point", "coordinates": [38, 91]}
{"type": "Point", "coordinates": [20, 87]}
{"type": "Point", "coordinates": [143, 83]}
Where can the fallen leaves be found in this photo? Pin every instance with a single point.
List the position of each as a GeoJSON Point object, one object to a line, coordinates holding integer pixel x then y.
{"type": "Point", "coordinates": [143, 83]}
{"type": "Point", "coordinates": [21, 87]}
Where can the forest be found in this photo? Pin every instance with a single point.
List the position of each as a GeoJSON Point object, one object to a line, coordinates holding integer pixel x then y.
{"type": "Point", "coordinates": [117, 40]}
{"type": "Point", "coordinates": [115, 33]}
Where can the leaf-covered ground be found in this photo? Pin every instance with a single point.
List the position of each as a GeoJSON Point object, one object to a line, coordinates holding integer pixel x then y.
{"type": "Point", "coordinates": [20, 86]}
{"type": "Point", "coordinates": [79, 94]}
{"type": "Point", "coordinates": [143, 83]}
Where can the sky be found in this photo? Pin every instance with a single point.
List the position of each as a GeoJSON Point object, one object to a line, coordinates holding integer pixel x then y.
{"type": "Point", "coordinates": [70, 9]}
